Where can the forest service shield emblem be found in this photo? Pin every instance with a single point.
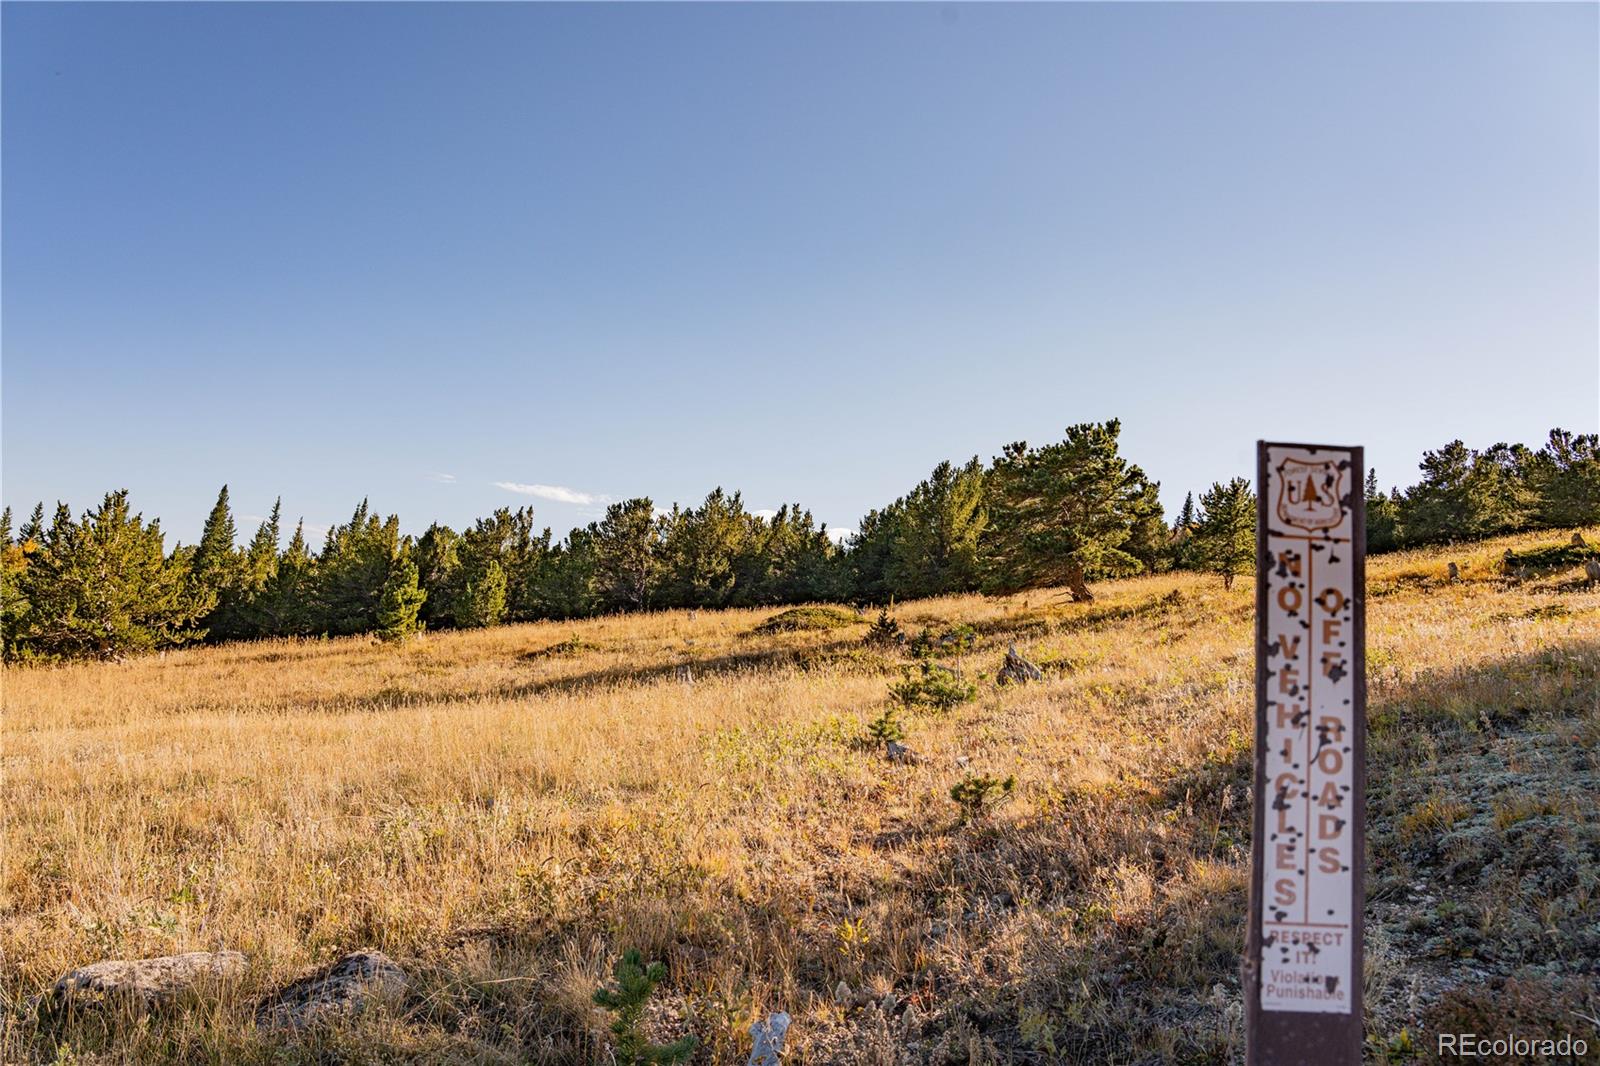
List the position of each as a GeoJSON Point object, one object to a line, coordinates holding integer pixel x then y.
{"type": "Point", "coordinates": [1310, 495]}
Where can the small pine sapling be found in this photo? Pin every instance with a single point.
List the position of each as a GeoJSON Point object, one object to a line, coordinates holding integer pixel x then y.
{"type": "Point", "coordinates": [885, 632]}
{"type": "Point", "coordinates": [935, 686]}
{"type": "Point", "coordinates": [957, 639]}
{"type": "Point", "coordinates": [634, 983]}
{"type": "Point", "coordinates": [886, 728]}
{"type": "Point", "coordinates": [976, 794]}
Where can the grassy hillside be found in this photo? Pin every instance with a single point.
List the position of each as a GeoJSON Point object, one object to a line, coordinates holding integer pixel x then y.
{"type": "Point", "coordinates": [505, 811]}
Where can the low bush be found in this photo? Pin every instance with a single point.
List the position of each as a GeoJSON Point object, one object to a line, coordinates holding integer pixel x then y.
{"type": "Point", "coordinates": [934, 686]}
{"type": "Point", "coordinates": [807, 619]}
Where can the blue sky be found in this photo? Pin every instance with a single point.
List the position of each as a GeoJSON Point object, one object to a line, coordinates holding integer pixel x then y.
{"type": "Point", "coordinates": [422, 253]}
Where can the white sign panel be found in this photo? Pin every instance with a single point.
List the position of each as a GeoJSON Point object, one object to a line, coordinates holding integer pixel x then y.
{"type": "Point", "coordinates": [1308, 877]}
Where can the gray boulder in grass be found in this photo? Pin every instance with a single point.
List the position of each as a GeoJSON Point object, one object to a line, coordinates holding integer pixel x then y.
{"type": "Point", "coordinates": [347, 986]}
{"type": "Point", "coordinates": [767, 1036]}
{"type": "Point", "coordinates": [1017, 670]}
{"type": "Point", "coordinates": [144, 983]}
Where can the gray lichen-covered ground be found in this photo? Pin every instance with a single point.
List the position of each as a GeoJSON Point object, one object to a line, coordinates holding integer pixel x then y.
{"type": "Point", "coordinates": [504, 812]}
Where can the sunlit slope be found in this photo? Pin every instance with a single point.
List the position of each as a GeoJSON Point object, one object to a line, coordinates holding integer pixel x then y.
{"type": "Point", "coordinates": [504, 811]}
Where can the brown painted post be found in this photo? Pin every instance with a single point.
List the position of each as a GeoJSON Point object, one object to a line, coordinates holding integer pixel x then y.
{"type": "Point", "coordinates": [1303, 958]}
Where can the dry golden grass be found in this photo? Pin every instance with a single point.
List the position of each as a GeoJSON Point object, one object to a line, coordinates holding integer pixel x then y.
{"type": "Point", "coordinates": [504, 811]}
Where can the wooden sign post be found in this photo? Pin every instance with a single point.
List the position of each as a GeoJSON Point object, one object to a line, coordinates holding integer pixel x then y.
{"type": "Point", "coordinates": [1302, 970]}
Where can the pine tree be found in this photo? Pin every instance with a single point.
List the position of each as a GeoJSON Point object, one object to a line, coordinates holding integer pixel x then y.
{"type": "Point", "coordinates": [400, 602]}
{"type": "Point", "coordinates": [525, 558]}
{"type": "Point", "coordinates": [505, 540]}
{"type": "Point", "coordinates": [934, 548]}
{"type": "Point", "coordinates": [483, 600]}
{"type": "Point", "coordinates": [1186, 516]}
{"type": "Point", "coordinates": [1148, 539]}
{"type": "Point", "coordinates": [1383, 516]}
{"type": "Point", "coordinates": [439, 574]}
{"type": "Point", "coordinates": [285, 607]}
{"type": "Point", "coordinates": [701, 550]}
{"type": "Point", "coordinates": [13, 570]}
{"type": "Point", "coordinates": [867, 561]}
{"type": "Point", "coordinates": [564, 585]}
{"type": "Point", "coordinates": [977, 794]}
{"type": "Point", "coordinates": [102, 587]}
{"type": "Point", "coordinates": [1498, 490]}
{"type": "Point", "coordinates": [626, 560]}
{"type": "Point", "coordinates": [1438, 508]}
{"type": "Point", "coordinates": [1564, 480]}
{"type": "Point", "coordinates": [33, 528]}
{"type": "Point", "coordinates": [216, 565]}
{"type": "Point", "coordinates": [634, 984]}
{"type": "Point", "coordinates": [239, 612]}
{"type": "Point", "coordinates": [1062, 514]}
{"type": "Point", "coordinates": [787, 559]}
{"type": "Point", "coordinates": [261, 557]}
{"type": "Point", "coordinates": [886, 729]}
{"type": "Point", "coordinates": [1180, 544]}
{"type": "Point", "coordinates": [1225, 538]}
{"type": "Point", "coordinates": [351, 572]}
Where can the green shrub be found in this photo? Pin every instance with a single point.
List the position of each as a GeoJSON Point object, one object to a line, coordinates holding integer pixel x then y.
{"type": "Point", "coordinates": [976, 794]}
{"type": "Point", "coordinates": [807, 619]}
{"type": "Point", "coordinates": [954, 640]}
{"type": "Point", "coordinates": [634, 983]}
{"type": "Point", "coordinates": [885, 632]}
{"type": "Point", "coordinates": [886, 728]}
{"type": "Point", "coordinates": [935, 686]}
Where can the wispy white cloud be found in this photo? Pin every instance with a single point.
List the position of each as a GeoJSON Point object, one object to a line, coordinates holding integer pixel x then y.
{"type": "Point", "coordinates": [443, 479]}
{"type": "Point", "coordinates": [554, 493]}
{"type": "Point", "coordinates": [765, 512]}
{"type": "Point", "coordinates": [839, 536]}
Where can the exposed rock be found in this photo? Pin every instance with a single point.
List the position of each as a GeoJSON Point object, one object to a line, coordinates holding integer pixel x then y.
{"type": "Point", "coordinates": [768, 1036]}
{"type": "Point", "coordinates": [1017, 670]}
{"type": "Point", "coordinates": [144, 983]}
{"type": "Point", "coordinates": [346, 986]}
{"type": "Point", "coordinates": [1591, 567]}
{"type": "Point", "coordinates": [898, 752]}
{"type": "Point", "coordinates": [841, 993]}
{"type": "Point", "coordinates": [1578, 541]}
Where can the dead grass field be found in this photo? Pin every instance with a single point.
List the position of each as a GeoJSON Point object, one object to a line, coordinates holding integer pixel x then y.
{"type": "Point", "coordinates": [504, 811]}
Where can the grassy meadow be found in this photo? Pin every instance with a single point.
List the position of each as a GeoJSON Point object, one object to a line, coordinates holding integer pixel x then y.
{"type": "Point", "coordinates": [504, 811]}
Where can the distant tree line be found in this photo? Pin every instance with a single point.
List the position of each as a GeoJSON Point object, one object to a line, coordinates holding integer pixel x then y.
{"type": "Point", "coordinates": [1506, 488]}
{"type": "Point", "coordinates": [1063, 514]}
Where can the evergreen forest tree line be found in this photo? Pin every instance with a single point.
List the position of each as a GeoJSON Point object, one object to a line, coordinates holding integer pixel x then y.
{"type": "Point", "coordinates": [102, 585]}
